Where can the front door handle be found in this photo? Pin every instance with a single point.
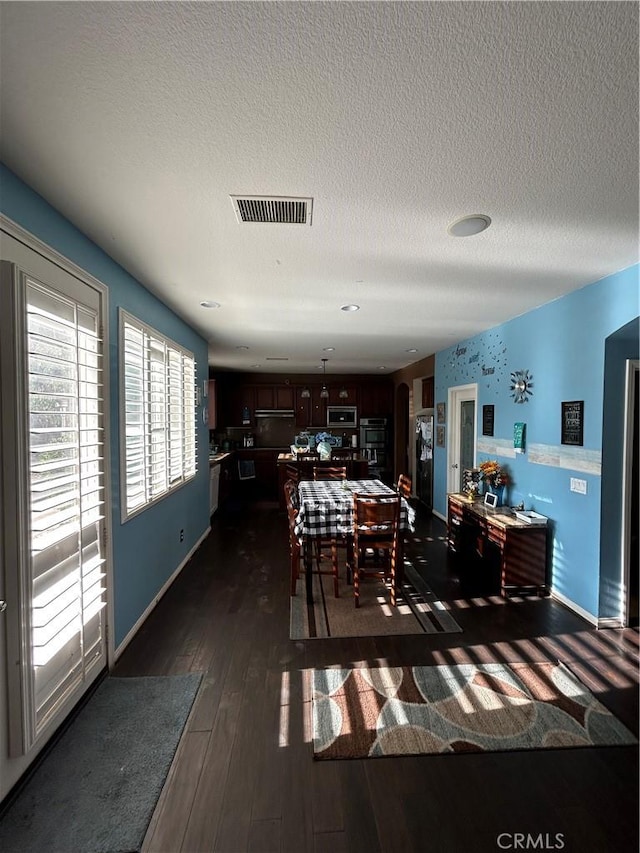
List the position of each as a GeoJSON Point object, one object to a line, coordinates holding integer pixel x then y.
{"type": "Point", "coordinates": [455, 465]}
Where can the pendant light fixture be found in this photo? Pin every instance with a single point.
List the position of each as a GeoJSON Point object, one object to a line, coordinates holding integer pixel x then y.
{"type": "Point", "coordinates": [305, 393]}
{"type": "Point", "coordinates": [343, 393]}
{"type": "Point", "coordinates": [324, 393]}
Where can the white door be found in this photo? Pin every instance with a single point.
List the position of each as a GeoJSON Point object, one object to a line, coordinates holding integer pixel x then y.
{"type": "Point", "coordinates": [53, 498]}
{"type": "Point", "coordinates": [461, 428]}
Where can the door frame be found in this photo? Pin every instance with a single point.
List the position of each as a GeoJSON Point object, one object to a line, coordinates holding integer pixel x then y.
{"type": "Point", "coordinates": [13, 229]}
{"type": "Point", "coordinates": [458, 394]}
{"type": "Point", "coordinates": [632, 368]}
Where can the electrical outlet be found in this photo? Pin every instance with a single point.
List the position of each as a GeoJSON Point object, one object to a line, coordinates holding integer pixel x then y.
{"type": "Point", "coordinates": [182, 535]}
{"type": "Point", "coordinates": [579, 486]}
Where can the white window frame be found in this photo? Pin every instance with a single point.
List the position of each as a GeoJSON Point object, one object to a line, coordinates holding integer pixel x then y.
{"type": "Point", "coordinates": [23, 742]}
{"type": "Point", "coordinates": [189, 461]}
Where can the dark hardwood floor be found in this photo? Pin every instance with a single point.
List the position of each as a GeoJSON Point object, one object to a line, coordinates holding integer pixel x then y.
{"type": "Point", "coordinates": [244, 778]}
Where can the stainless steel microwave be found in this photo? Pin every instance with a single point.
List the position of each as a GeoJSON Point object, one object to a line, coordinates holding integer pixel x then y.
{"type": "Point", "coordinates": [342, 416]}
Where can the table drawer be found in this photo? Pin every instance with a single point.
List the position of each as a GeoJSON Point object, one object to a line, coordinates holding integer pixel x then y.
{"type": "Point", "coordinates": [496, 534]}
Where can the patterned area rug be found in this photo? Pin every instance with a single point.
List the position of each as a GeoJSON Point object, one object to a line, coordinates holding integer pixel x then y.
{"type": "Point", "coordinates": [359, 713]}
{"type": "Point", "coordinates": [418, 611]}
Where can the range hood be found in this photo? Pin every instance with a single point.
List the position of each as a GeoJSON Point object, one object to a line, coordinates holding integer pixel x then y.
{"type": "Point", "coordinates": [275, 413]}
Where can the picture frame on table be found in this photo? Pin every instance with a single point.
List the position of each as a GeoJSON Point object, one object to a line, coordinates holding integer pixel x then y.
{"type": "Point", "coordinates": [491, 500]}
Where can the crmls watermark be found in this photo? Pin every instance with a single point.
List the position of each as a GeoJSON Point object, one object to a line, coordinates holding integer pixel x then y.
{"type": "Point", "coordinates": [527, 841]}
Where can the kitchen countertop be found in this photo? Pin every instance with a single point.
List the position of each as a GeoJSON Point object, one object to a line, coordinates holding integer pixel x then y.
{"type": "Point", "coordinates": [217, 458]}
{"type": "Point", "coordinates": [289, 457]}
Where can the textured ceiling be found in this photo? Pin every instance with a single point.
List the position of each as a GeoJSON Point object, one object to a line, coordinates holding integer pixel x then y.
{"type": "Point", "coordinates": [138, 121]}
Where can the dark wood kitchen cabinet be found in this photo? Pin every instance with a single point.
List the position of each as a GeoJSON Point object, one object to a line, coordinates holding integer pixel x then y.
{"type": "Point", "coordinates": [427, 393]}
{"type": "Point", "coordinates": [376, 400]}
{"type": "Point", "coordinates": [235, 403]}
{"type": "Point", "coordinates": [336, 400]}
{"type": "Point", "coordinates": [302, 407]}
{"type": "Point", "coordinates": [318, 411]}
{"type": "Point", "coordinates": [264, 484]}
{"type": "Point", "coordinates": [310, 411]}
{"type": "Point", "coordinates": [372, 398]}
{"type": "Point", "coordinates": [274, 397]}
{"type": "Point", "coordinates": [212, 419]}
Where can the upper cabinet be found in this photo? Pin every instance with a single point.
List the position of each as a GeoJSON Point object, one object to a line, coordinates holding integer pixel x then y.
{"type": "Point", "coordinates": [236, 405]}
{"type": "Point", "coordinates": [212, 419]}
{"type": "Point", "coordinates": [427, 393]}
{"type": "Point", "coordinates": [238, 399]}
{"type": "Point", "coordinates": [275, 397]}
{"type": "Point", "coordinates": [376, 400]}
{"type": "Point", "coordinates": [350, 390]}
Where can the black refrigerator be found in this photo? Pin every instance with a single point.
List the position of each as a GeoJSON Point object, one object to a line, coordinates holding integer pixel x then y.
{"type": "Point", "coordinates": [424, 458]}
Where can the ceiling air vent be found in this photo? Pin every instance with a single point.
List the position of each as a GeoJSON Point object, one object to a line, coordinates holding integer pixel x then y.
{"type": "Point", "coordinates": [278, 209]}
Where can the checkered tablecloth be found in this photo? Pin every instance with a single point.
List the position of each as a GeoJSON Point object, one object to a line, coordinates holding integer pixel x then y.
{"type": "Point", "coordinates": [326, 506]}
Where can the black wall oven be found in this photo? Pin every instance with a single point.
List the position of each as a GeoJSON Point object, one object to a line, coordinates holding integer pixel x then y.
{"type": "Point", "coordinates": [374, 437]}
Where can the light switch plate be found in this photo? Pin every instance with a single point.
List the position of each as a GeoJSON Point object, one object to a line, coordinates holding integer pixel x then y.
{"type": "Point", "coordinates": [579, 486]}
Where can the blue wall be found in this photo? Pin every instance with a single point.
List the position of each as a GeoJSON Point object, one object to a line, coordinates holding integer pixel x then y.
{"type": "Point", "coordinates": [563, 345]}
{"type": "Point", "coordinates": [147, 548]}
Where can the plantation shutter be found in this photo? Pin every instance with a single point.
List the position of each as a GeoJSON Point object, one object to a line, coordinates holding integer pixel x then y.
{"type": "Point", "coordinates": [66, 493]}
{"type": "Point", "coordinates": [159, 424]}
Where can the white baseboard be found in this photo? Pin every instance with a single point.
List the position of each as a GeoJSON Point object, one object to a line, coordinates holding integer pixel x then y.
{"type": "Point", "coordinates": [609, 622]}
{"type": "Point", "coordinates": [438, 515]}
{"type": "Point", "coordinates": [134, 630]}
{"type": "Point", "coordinates": [571, 605]}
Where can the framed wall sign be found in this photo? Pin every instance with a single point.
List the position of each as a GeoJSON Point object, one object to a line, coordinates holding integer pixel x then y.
{"type": "Point", "coordinates": [519, 436]}
{"type": "Point", "coordinates": [439, 436]}
{"type": "Point", "coordinates": [440, 413]}
{"type": "Point", "coordinates": [572, 426]}
{"type": "Point", "coordinates": [487, 419]}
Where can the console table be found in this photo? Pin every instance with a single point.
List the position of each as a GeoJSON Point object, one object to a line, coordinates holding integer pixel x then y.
{"type": "Point", "coordinates": [480, 534]}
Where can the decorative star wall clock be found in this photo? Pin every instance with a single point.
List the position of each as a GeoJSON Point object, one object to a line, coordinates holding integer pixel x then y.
{"type": "Point", "coordinates": [521, 385]}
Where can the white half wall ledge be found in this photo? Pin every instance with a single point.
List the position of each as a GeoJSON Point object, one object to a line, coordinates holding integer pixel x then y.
{"type": "Point", "coordinates": [569, 458]}
{"type": "Point", "coordinates": [496, 447]}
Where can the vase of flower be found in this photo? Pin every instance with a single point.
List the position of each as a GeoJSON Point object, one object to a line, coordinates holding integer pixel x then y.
{"type": "Point", "coordinates": [498, 491]}
{"type": "Point", "coordinates": [323, 446]}
{"type": "Point", "coordinates": [494, 479]}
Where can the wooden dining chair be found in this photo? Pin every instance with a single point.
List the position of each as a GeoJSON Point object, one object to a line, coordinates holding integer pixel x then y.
{"type": "Point", "coordinates": [330, 544]}
{"type": "Point", "coordinates": [330, 473]}
{"type": "Point", "coordinates": [291, 503]}
{"type": "Point", "coordinates": [292, 473]}
{"type": "Point", "coordinates": [376, 522]}
{"type": "Point", "coordinates": [404, 486]}
{"type": "Point", "coordinates": [295, 548]}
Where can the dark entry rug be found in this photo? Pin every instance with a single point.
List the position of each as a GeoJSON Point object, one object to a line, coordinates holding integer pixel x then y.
{"type": "Point", "coordinates": [96, 790]}
{"type": "Point", "coordinates": [418, 612]}
{"type": "Point", "coordinates": [359, 713]}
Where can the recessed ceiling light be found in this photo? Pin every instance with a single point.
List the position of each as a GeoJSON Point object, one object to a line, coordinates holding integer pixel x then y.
{"type": "Point", "coordinates": [382, 367]}
{"type": "Point", "coordinates": [413, 349]}
{"type": "Point", "coordinates": [328, 349]}
{"type": "Point", "coordinates": [209, 303]}
{"type": "Point", "coordinates": [350, 308]}
{"type": "Point", "coordinates": [254, 365]}
{"type": "Point", "coordinates": [469, 225]}
{"type": "Point", "coordinates": [242, 346]}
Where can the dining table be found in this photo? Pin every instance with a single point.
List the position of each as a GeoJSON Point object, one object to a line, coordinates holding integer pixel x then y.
{"type": "Point", "coordinates": [325, 509]}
